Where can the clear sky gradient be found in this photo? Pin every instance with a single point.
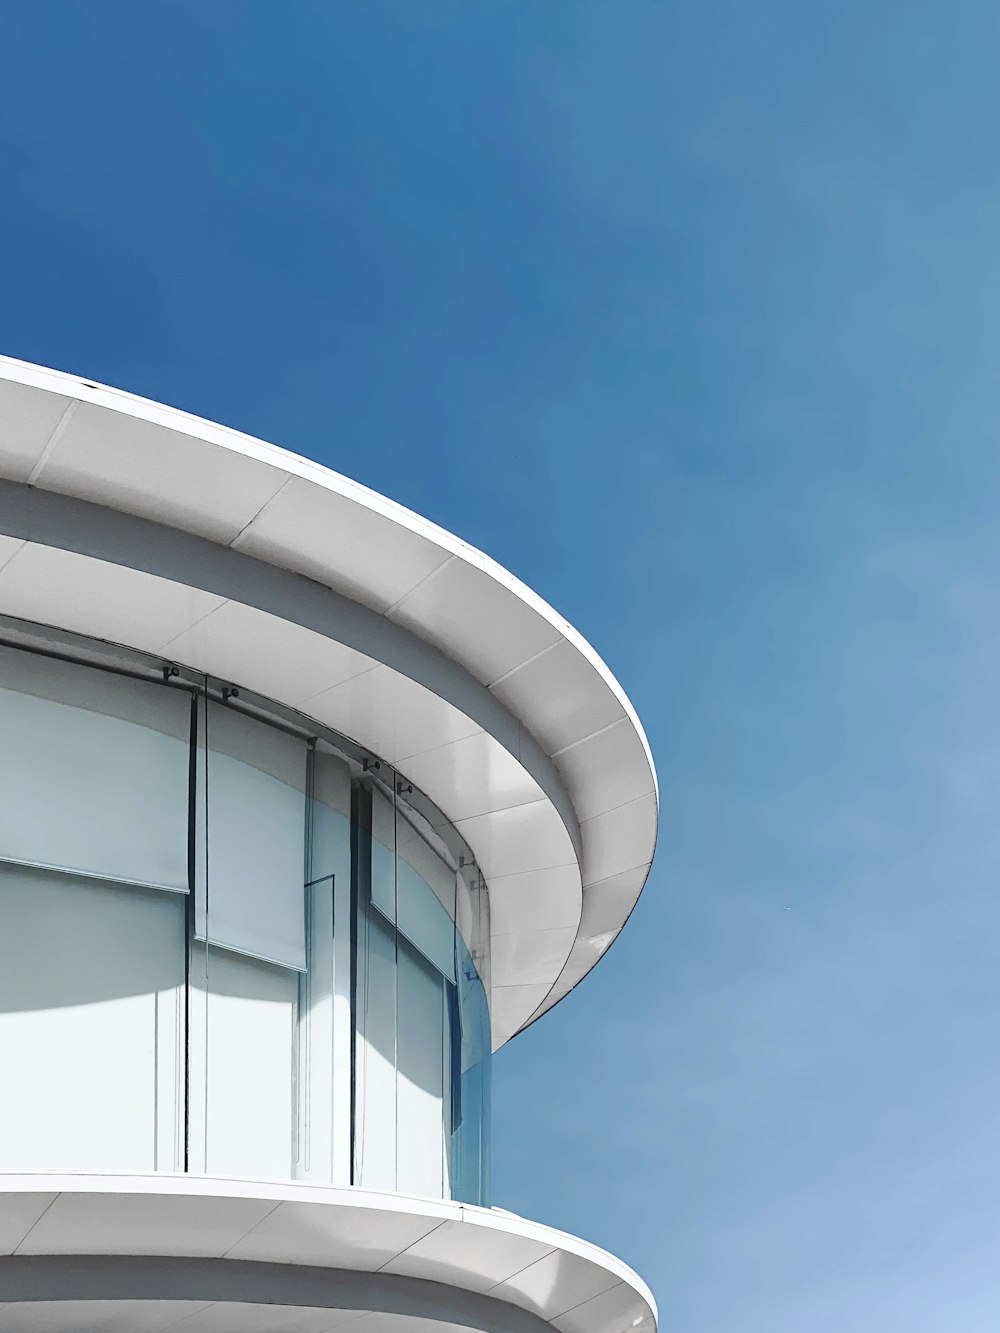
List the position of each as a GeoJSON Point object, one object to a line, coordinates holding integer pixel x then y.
{"type": "Point", "coordinates": [689, 314]}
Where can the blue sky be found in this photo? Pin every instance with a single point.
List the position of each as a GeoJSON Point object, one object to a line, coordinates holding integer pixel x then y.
{"type": "Point", "coordinates": [688, 313]}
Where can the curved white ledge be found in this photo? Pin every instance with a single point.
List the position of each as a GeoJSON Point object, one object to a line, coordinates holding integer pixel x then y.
{"type": "Point", "coordinates": [520, 733]}
{"type": "Point", "coordinates": [386, 1263]}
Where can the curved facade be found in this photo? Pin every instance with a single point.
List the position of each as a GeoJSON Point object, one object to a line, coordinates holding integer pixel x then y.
{"type": "Point", "coordinates": [272, 953]}
{"type": "Point", "coordinates": [306, 808]}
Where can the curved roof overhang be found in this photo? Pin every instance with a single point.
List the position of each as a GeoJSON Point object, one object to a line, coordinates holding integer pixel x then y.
{"type": "Point", "coordinates": [140, 1248]}
{"type": "Point", "coordinates": [144, 526]}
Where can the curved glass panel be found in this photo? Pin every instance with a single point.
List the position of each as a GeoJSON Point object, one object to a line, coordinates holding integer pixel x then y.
{"type": "Point", "coordinates": [229, 946]}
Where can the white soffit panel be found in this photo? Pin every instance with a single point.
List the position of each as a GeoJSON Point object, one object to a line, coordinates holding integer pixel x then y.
{"type": "Point", "coordinates": [605, 771]}
{"type": "Point", "coordinates": [407, 718]}
{"type": "Point", "coordinates": [483, 776]}
{"type": "Point", "coordinates": [18, 1215]}
{"type": "Point", "coordinates": [265, 653]}
{"type": "Point", "coordinates": [63, 434]}
{"type": "Point", "coordinates": [514, 962]}
{"type": "Point", "coordinates": [519, 839]}
{"type": "Point", "coordinates": [145, 468]}
{"type": "Point", "coordinates": [107, 1317]}
{"type": "Point", "coordinates": [475, 619]}
{"type": "Point", "coordinates": [331, 539]}
{"type": "Point", "coordinates": [549, 899]}
{"type": "Point", "coordinates": [619, 839]}
{"type": "Point", "coordinates": [511, 1007]}
{"type": "Point", "coordinates": [9, 547]}
{"type": "Point", "coordinates": [79, 593]}
{"type": "Point", "coordinates": [478, 1258]}
{"type": "Point", "coordinates": [607, 903]}
{"type": "Point", "coordinates": [27, 423]}
{"type": "Point", "coordinates": [576, 704]}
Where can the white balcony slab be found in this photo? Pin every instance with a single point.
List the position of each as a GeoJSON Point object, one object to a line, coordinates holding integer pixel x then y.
{"type": "Point", "coordinates": [259, 1251]}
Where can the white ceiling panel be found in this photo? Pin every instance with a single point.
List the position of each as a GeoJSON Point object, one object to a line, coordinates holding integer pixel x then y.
{"type": "Point", "coordinates": [619, 837]}
{"type": "Point", "coordinates": [468, 1255]}
{"type": "Point", "coordinates": [606, 771]}
{"type": "Point", "coordinates": [361, 708]}
{"type": "Point", "coordinates": [558, 992]}
{"type": "Point", "coordinates": [531, 957]}
{"type": "Point", "coordinates": [475, 619]}
{"type": "Point", "coordinates": [525, 837]}
{"type": "Point", "coordinates": [335, 540]}
{"type": "Point", "coordinates": [619, 1310]}
{"type": "Point", "coordinates": [424, 721]}
{"type": "Point", "coordinates": [18, 1214]}
{"type": "Point", "coordinates": [241, 1317]}
{"type": "Point", "coordinates": [337, 1318]}
{"type": "Point", "coordinates": [265, 653]}
{"type": "Point", "coordinates": [538, 900]}
{"type": "Point", "coordinates": [586, 952]}
{"type": "Point", "coordinates": [28, 416]}
{"type": "Point", "coordinates": [106, 601]}
{"type": "Point", "coordinates": [9, 547]}
{"type": "Point", "coordinates": [480, 773]}
{"type": "Point", "coordinates": [167, 475]}
{"type": "Point", "coordinates": [378, 1322]}
{"type": "Point", "coordinates": [511, 1007]}
{"type": "Point", "coordinates": [328, 1234]}
{"type": "Point", "coordinates": [563, 694]}
{"type": "Point", "coordinates": [155, 1223]}
{"type": "Point", "coordinates": [607, 903]}
{"type": "Point", "coordinates": [94, 1316]}
{"type": "Point", "coordinates": [406, 717]}
{"type": "Point", "coordinates": [555, 1284]}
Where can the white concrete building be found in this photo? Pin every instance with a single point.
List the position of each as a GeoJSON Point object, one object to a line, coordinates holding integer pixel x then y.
{"type": "Point", "coordinates": [307, 807]}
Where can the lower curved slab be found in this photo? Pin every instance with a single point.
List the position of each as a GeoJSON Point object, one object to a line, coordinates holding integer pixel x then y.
{"type": "Point", "coordinates": [104, 1252]}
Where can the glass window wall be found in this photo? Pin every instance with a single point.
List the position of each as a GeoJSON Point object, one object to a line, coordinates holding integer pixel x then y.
{"type": "Point", "coordinates": [228, 946]}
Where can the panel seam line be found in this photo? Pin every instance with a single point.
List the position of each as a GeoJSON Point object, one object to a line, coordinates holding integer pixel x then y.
{"type": "Point", "coordinates": [557, 754]}
{"type": "Point", "coordinates": [53, 440]}
{"type": "Point", "coordinates": [406, 1250]}
{"type": "Point", "coordinates": [38, 1219]}
{"type": "Point", "coordinates": [419, 584]}
{"type": "Point", "coordinates": [527, 662]}
{"type": "Point", "coordinates": [251, 1230]}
